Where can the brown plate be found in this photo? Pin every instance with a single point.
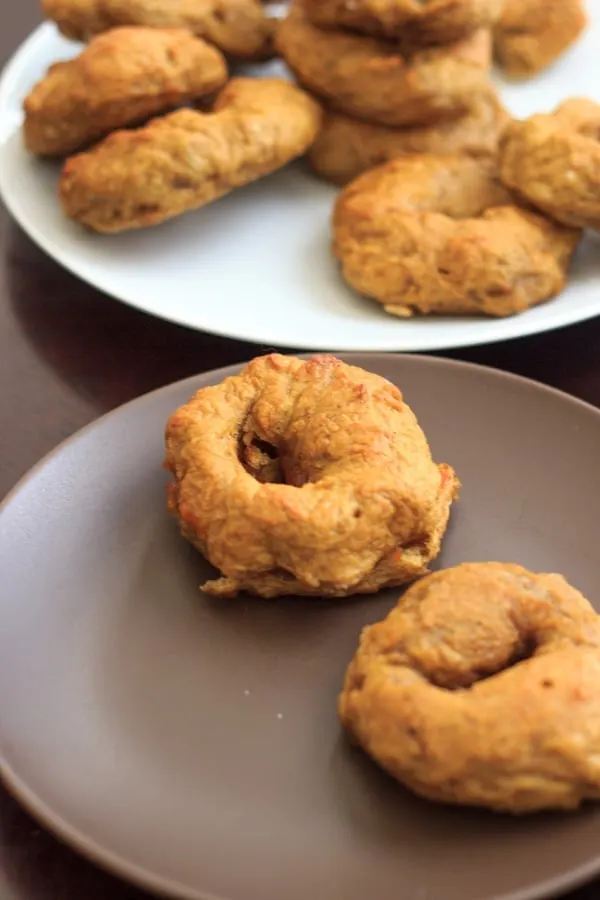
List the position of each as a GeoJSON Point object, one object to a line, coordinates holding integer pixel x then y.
{"type": "Point", "coordinates": [191, 745]}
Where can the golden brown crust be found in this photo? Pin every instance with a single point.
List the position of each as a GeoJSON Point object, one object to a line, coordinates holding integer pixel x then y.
{"type": "Point", "coordinates": [121, 78]}
{"type": "Point", "coordinates": [435, 234]}
{"type": "Point", "coordinates": [434, 22]}
{"type": "Point", "coordinates": [306, 477]}
{"type": "Point", "coordinates": [532, 34]}
{"type": "Point", "coordinates": [187, 159]}
{"type": "Point", "coordinates": [240, 28]}
{"type": "Point", "coordinates": [482, 688]}
{"type": "Point", "coordinates": [553, 161]}
{"type": "Point", "coordinates": [372, 80]}
{"type": "Point", "coordinates": [347, 147]}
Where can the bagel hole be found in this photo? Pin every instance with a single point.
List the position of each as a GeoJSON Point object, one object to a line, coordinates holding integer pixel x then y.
{"type": "Point", "coordinates": [522, 652]}
{"type": "Point", "coordinates": [452, 680]}
{"type": "Point", "coordinates": [266, 448]}
{"type": "Point", "coordinates": [260, 459]}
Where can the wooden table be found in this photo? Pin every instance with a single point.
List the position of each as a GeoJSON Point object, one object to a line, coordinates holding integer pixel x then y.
{"type": "Point", "coordinates": [68, 354]}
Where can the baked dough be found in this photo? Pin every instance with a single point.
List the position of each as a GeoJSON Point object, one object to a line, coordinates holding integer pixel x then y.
{"type": "Point", "coordinates": [306, 477]}
{"type": "Point", "coordinates": [439, 234]}
{"type": "Point", "coordinates": [121, 78]}
{"type": "Point", "coordinates": [377, 80]}
{"type": "Point", "coordinates": [531, 34]}
{"type": "Point", "coordinates": [188, 158]}
{"type": "Point", "coordinates": [432, 22]}
{"type": "Point", "coordinates": [482, 688]}
{"type": "Point", "coordinates": [553, 162]}
{"type": "Point", "coordinates": [240, 28]}
{"type": "Point", "coordinates": [346, 147]}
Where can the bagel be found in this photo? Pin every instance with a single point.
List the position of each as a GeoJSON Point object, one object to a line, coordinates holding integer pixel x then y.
{"type": "Point", "coordinates": [346, 146]}
{"type": "Point", "coordinates": [531, 34]}
{"type": "Point", "coordinates": [482, 688]}
{"type": "Point", "coordinates": [306, 477]}
{"type": "Point", "coordinates": [371, 79]}
{"type": "Point", "coordinates": [240, 28]}
{"type": "Point", "coordinates": [122, 77]}
{"type": "Point", "coordinates": [188, 158]}
{"type": "Point", "coordinates": [553, 161]}
{"type": "Point", "coordinates": [435, 22]}
{"type": "Point", "coordinates": [439, 234]}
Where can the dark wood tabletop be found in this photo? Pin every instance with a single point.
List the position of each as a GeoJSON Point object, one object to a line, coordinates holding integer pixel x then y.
{"type": "Point", "coordinates": [68, 354]}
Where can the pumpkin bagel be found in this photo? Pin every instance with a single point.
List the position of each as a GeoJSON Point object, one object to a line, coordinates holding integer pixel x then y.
{"type": "Point", "coordinates": [306, 477]}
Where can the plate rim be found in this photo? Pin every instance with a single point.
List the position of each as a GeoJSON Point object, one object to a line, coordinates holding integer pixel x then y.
{"type": "Point", "coordinates": [130, 873]}
{"type": "Point", "coordinates": [495, 330]}
{"type": "Point", "coordinates": [111, 861]}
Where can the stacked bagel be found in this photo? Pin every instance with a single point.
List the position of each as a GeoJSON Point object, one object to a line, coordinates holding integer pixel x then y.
{"type": "Point", "coordinates": [145, 118]}
{"type": "Point", "coordinates": [395, 77]}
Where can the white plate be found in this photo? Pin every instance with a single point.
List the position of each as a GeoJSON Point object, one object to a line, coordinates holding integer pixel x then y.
{"type": "Point", "coordinates": [256, 265]}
